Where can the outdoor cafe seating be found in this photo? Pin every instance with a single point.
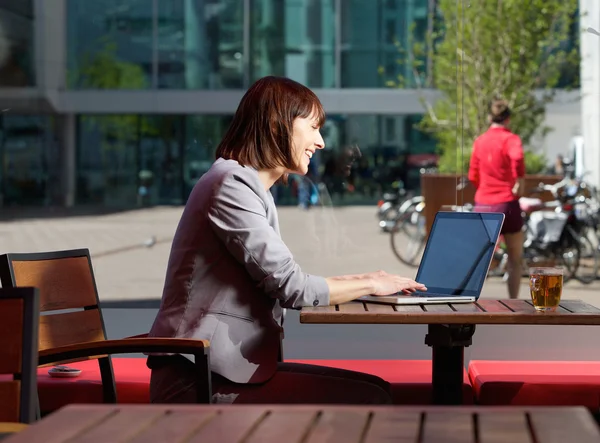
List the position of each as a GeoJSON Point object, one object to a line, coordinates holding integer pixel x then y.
{"type": "Point", "coordinates": [69, 327]}
{"type": "Point", "coordinates": [72, 328]}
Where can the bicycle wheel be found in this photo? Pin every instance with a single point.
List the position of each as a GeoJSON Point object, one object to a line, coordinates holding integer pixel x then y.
{"type": "Point", "coordinates": [569, 257]}
{"type": "Point", "coordinates": [589, 259]}
{"type": "Point", "coordinates": [408, 238]}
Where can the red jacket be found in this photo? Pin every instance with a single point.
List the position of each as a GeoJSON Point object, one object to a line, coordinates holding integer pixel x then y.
{"type": "Point", "coordinates": [496, 163]}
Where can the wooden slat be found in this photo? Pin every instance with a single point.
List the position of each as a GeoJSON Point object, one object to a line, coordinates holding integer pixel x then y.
{"type": "Point", "coordinates": [64, 425]}
{"type": "Point", "coordinates": [283, 426]}
{"type": "Point", "coordinates": [70, 328]}
{"type": "Point", "coordinates": [449, 427]}
{"type": "Point", "coordinates": [579, 307]}
{"type": "Point", "coordinates": [229, 425]}
{"type": "Point", "coordinates": [418, 309]}
{"type": "Point", "coordinates": [508, 427]}
{"type": "Point", "coordinates": [552, 426]}
{"type": "Point", "coordinates": [352, 307]}
{"type": "Point", "coordinates": [10, 400]}
{"type": "Point", "coordinates": [438, 308]}
{"type": "Point", "coordinates": [393, 426]}
{"type": "Point", "coordinates": [11, 335]}
{"type": "Point", "coordinates": [559, 309]}
{"type": "Point", "coordinates": [320, 309]}
{"type": "Point", "coordinates": [342, 426]}
{"type": "Point", "coordinates": [64, 283]}
{"type": "Point", "coordinates": [176, 426]}
{"type": "Point", "coordinates": [121, 426]}
{"type": "Point", "coordinates": [380, 308]}
{"type": "Point", "coordinates": [519, 306]}
{"type": "Point", "coordinates": [492, 306]}
{"type": "Point", "coordinates": [466, 307]}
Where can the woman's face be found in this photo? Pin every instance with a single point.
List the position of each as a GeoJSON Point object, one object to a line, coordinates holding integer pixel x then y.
{"type": "Point", "coordinates": [306, 139]}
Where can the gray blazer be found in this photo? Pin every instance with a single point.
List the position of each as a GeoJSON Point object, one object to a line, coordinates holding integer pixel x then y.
{"type": "Point", "coordinates": [230, 275]}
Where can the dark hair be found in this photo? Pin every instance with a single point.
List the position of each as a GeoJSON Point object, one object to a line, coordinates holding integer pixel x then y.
{"type": "Point", "coordinates": [499, 110]}
{"type": "Point", "coordinates": [260, 134]}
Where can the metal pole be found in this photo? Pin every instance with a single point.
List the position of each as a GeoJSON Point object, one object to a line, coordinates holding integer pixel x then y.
{"type": "Point", "coordinates": [246, 56]}
{"type": "Point", "coordinates": [154, 81]}
{"type": "Point", "coordinates": [338, 44]}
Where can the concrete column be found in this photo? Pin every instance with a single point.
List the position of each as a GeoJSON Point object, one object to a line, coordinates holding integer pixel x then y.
{"type": "Point", "coordinates": [590, 87]}
{"type": "Point", "coordinates": [195, 45]}
{"type": "Point", "coordinates": [50, 47]}
{"type": "Point", "coordinates": [68, 155]}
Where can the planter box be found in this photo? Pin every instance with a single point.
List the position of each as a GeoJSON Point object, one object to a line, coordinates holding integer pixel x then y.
{"type": "Point", "coordinates": [440, 190]}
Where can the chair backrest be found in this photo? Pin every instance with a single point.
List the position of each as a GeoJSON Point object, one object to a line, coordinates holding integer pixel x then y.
{"type": "Point", "coordinates": [19, 313]}
{"type": "Point", "coordinates": [68, 294]}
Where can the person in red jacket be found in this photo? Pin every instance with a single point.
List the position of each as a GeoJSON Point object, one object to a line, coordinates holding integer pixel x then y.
{"type": "Point", "coordinates": [497, 165]}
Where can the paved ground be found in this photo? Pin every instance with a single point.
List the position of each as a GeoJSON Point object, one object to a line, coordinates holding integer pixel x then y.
{"type": "Point", "coordinates": [325, 241]}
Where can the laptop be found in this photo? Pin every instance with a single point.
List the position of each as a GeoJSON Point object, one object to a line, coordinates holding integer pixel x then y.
{"type": "Point", "coordinates": [455, 261]}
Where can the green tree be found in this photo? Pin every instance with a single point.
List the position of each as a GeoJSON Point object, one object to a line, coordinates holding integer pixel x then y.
{"type": "Point", "coordinates": [102, 69]}
{"type": "Point", "coordinates": [492, 48]}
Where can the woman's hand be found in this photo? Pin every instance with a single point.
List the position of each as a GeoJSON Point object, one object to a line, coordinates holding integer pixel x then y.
{"type": "Point", "coordinates": [387, 284]}
{"type": "Point", "coordinates": [344, 288]}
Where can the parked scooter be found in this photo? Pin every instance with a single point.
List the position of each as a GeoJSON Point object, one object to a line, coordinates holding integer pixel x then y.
{"type": "Point", "coordinates": [552, 231]}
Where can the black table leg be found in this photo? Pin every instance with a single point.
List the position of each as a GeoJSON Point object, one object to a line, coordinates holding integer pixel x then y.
{"type": "Point", "coordinates": [448, 347]}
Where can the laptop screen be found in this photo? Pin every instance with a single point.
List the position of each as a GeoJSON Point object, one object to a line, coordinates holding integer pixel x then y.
{"type": "Point", "coordinates": [458, 252]}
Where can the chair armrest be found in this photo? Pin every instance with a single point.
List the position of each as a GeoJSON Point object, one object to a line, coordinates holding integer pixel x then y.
{"type": "Point", "coordinates": [124, 346]}
{"type": "Point", "coordinates": [137, 336]}
{"type": "Point", "coordinates": [11, 428]}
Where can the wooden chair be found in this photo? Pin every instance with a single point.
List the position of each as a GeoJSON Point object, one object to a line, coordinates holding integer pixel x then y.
{"type": "Point", "coordinates": [19, 314]}
{"type": "Point", "coordinates": [72, 327]}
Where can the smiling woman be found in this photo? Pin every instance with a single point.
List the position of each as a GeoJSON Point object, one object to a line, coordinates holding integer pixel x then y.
{"type": "Point", "coordinates": [230, 275]}
{"type": "Point", "coordinates": [284, 114]}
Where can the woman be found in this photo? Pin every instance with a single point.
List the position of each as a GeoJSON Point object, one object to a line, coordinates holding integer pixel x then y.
{"type": "Point", "coordinates": [497, 165]}
{"type": "Point", "coordinates": [230, 276]}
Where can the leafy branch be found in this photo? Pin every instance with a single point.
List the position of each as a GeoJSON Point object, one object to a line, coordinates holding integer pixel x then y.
{"type": "Point", "coordinates": [509, 48]}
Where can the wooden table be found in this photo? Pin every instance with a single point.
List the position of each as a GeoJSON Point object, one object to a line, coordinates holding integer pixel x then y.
{"type": "Point", "coordinates": [9, 428]}
{"type": "Point", "coordinates": [451, 328]}
{"type": "Point", "coordinates": [310, 424]}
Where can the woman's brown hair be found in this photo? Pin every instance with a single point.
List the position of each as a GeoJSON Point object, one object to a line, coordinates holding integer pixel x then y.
{"type": "Point", "coordinates": [499, 110]}
{"type": "Point", "coordinates": [260, 134]}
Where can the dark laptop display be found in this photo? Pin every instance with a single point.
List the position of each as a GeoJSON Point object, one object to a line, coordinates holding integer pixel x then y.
{"type": "Point", "coordinates": [458, 253]}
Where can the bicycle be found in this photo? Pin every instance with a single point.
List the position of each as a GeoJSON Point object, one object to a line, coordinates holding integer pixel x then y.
{"type": "Point", "coordinates": [408, 234]}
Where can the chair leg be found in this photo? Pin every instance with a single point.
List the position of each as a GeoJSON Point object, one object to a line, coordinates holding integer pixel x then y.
{"type": "Point", "coordinates": [109, 388]}
{"type": "Point", "coordinates": [204, 383]}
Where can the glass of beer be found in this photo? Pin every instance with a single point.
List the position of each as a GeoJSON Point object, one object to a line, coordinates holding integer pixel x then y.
{"type": "Point", "coordinates": [545, 285]}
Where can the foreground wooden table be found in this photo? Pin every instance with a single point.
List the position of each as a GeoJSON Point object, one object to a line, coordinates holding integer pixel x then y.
{"type": "Point", "coordinates": [310, 424]}
{"type": "Point", "coordinates": [451, 328]}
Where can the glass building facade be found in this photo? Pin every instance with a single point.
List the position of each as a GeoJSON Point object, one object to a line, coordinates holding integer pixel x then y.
{"type": "Point", "coordinates": [227, 44]}
{"type": "Point", "coordinates": [123, 102]}
{"type": "Point", "coordinates": [16, 43]}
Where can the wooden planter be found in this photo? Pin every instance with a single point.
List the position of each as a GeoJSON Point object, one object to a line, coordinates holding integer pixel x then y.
{"type": "Point", "coordinates": [440, 190]}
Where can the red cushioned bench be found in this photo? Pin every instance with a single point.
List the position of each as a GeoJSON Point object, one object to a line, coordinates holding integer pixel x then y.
{"type": "Point", "coordinates": [410, 379]}
{"type": "Point", "coordinates": [552, 383]}
{"type": "Point", "coordinates": [132, 378]}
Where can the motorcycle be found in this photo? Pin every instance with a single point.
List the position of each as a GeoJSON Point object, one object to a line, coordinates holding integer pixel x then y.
{"type": "Point", "coordinates": [552, 232]}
